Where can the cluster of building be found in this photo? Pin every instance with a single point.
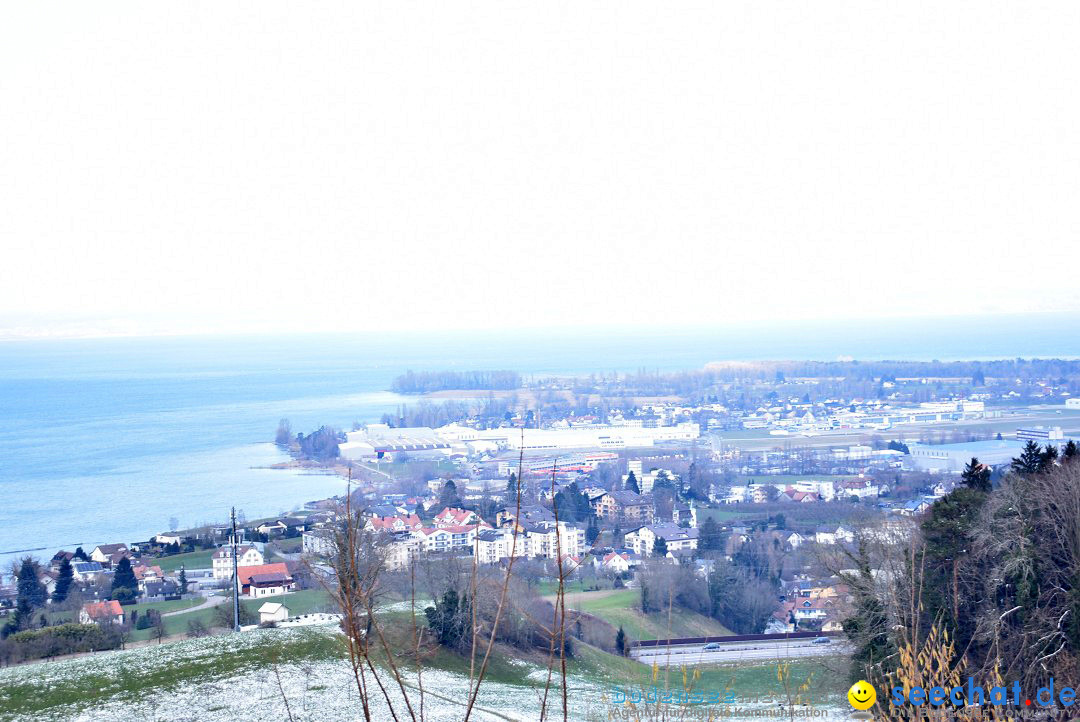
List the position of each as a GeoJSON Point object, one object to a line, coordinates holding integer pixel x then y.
{"type": "Point", "coordinates": [378, 441]}
{"type": "Point", "coordinates": [952, 458]}
{"type": "Point", "coordinates": [97, 570]}
{"type": "Point", "coordinates": [805, 491]}
{"type": "Point", "coordinates": [255, 577]}
{"type": "Point", "coordinates": [860, 414]}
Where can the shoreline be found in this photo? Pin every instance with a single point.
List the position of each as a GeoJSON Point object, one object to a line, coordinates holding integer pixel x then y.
{"type": "Point", "coordinates": [41, 549]}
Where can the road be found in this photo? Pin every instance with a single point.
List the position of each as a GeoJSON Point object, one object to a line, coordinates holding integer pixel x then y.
{"type": "Point", "coordinates": [762, 651]}
{"type": "Point", "coordinates": [206, 604]}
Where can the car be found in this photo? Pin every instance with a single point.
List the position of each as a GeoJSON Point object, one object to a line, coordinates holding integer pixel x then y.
{"type": "Point", "coordinates": [711, 646]}
{"type": "Point", "coordinates": [822, 640]}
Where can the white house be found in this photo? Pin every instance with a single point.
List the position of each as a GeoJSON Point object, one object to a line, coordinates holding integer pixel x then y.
{"type": "Point", "coordinates": [449, 538]}
{"type": "Point", "coordinates": [833, 535]}
{"type": "Point", "coordinates": [541, 540]}
{"type": "Point", "coordinates": [246, 556]}
{"type": "Point", "coordinates": [273, 612]}
{"type": "Point", "coordinates": [616, 562]}
{"type": "Point", "coordinates": [643, 539]}
{"type": "Point", "coordinates": [402, 549]}
{"type": "Point", "coordinates": [319, 542]}
{"type": "Point", "coordinates": [494, 545]}
{"type": "Point", "coordinates": [104, 554]}
{"type": "Point", "coordinates": [450, 517]}
{"type": "Point", "coordinates": [794, 539]}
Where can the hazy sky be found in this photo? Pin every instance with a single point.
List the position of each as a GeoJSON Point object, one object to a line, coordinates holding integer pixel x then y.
{"type": "Point", "coordinates": [273, 166]}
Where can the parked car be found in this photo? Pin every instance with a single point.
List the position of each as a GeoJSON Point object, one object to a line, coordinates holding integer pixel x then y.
{"type": "Point", "coordinates": [822, 640]}
{"type": "Point", "coordinates": [711, 646]}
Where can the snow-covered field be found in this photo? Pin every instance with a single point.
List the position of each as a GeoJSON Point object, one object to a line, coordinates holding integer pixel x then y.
{"type": "Point", "coordinates": [308, 690]}
{"type": "Point", "coordinates": [272, 674]}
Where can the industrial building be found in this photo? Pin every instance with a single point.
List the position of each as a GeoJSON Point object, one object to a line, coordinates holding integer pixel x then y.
{"type": "Point", "coordinates": [954, 457]}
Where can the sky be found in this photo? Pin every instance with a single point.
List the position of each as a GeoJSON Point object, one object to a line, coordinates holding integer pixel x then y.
{"type": "Point", "coordinates": [217, 167]}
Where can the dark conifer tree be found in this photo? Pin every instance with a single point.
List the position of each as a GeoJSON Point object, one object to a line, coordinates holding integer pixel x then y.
{"type": "Point", "coordinates": [124, 585]}
{"type": "Point", "coordinates": [620, 642]}
{"type": "Point", "coordinates": [63, 582]}
{"type": "Point", "coordinates": [1030, 460]}
{"type": "Point", "coordinates": [31, 594]}
{"type": "Point", "coordinates": [1048, 458]}
{"type": "Point", "coordinates": [632, 484]}
{"type": "Point", "coordinates": [448, 497]}
{"type": "Point", "coordinates": [30, 586]}
{"type": "Point", "coordinates": [709, 535]}
{"type": "Point", "coordinates": [976, 475]}
{"type": "Point", "coordinates": [592, 532]}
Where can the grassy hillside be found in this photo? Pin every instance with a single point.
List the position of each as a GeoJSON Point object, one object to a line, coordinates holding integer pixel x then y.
{"type": "Point", "coordinates": [202, 559]}
{"type": "Point", "coordinates": [620, 608]}
{"type": "Point", "coordinates": [824, 677]}
{"type": "Point", "coordinates": [302, 674]}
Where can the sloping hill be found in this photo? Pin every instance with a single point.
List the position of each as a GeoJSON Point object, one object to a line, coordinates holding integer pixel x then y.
{"type": "Point", "coordinates": [303, 674]}
{"type": "Point", "coordinates": [621, 608]}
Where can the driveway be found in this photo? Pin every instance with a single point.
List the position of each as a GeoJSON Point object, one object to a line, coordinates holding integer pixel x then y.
{"type": "Point", "coordinates": [208, 603]}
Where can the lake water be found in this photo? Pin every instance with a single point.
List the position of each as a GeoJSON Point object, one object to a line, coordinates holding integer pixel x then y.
{"type": "Point", "coordinates": [106, 440]}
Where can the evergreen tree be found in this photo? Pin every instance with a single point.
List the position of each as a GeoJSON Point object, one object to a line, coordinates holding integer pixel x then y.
{"type": "Point", "coordinates": [867, 628]}
{"type": "Point", "coordinates": [663, 481]}
{"type": "Point", "coordinates": [660, 546]}
{"type": "Point", "coordinates": [450, 620]}
{"type": "Point", "coordinates": [30, 586]}
{"type": "Point", "coordinates": [124, 585]}
{"type": "Point", "coordinates": [976, 475]}
{"type": "Point", "coordinates": [631, 483]}
{"type": "Point", "coordinates": [81, 555]}
{"type": "Point", "coordinates": [693, 481]}
{"type": "Point", "coordinates": [646, 601]}
{"type": "Point", "coordinates": [592, 532]}
{"type": "Point", "coordinates": [620, 642]}
{"type": "Point", "coordinates": [1070, 451]}
{"type": "Point", "coordinates": [1048, 458]}
{"type": "Point", "coordinates": [183, 580]}
{"type": "Point", "coordinates": [1030, 460]}
{"type": "Point", "coordinates": [512, 488]}
{"type": "Point", "coordinates": [448, 497]}
{"type": "Point", "coordinates": [63, 582]}
{"type": "Point", "coordinates": [948, 530]}
{"type": "Point", "coordinates": [709, 535]}
{"type": "Point", "coordinates": [31, 594]}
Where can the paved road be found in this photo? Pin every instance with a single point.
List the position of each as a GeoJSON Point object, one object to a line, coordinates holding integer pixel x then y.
{"type": "Point", "coordinates": [206, 604]}
{"type": "Point", "coordinates": [692, 655]}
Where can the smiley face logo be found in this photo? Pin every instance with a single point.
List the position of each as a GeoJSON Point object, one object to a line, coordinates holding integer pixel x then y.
{"type": "Point", "coordinates": [862, 695]}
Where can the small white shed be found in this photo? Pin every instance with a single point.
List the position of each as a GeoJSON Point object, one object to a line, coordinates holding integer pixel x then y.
{"type": "Point", "coordinates": [273, 612]}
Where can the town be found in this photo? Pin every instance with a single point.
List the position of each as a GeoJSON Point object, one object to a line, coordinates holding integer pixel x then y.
{"type": "Point", "coordinates": [733, 497]}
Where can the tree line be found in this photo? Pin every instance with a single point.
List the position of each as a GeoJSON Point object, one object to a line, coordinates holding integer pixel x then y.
{"type": "Point", "coordinates": [420, 382]}
{"type": "Point", "coordinates": [990, 584]}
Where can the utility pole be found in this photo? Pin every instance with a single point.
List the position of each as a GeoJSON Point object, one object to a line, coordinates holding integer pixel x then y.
{"type": "Point", "coordinates": [235, 577]}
